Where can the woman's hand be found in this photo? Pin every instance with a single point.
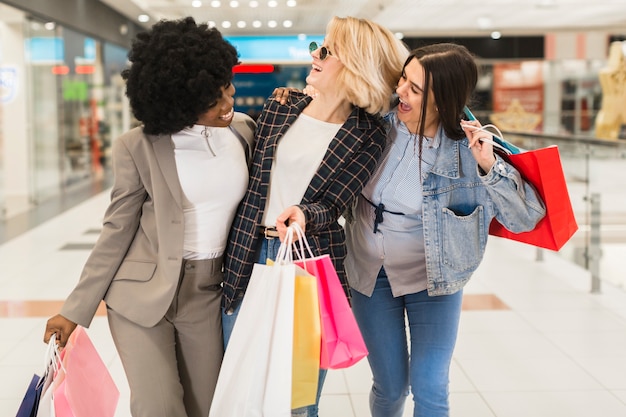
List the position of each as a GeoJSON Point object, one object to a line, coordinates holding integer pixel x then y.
{"type": "Point", "coordinates": [281, 94]}
{"type": "Point", "coordinates": [479, 144]}
{"type": "Point", "coordinates": [62, 327]}
{"type": "Point", "coordinates": [292, 214]}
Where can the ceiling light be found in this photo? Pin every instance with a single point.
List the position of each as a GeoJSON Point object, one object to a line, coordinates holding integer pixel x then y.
{"type": "Point", "coordinates": [484, 22]}
{"type": "Point", "coordinates": [49, 25]}
{"type": "Point", "coordinates": [234, 3]}
{"type": "Point", "coordinates": [287, 23]}
{"type": "Point", "coordinates": [216, 3]}
{"type": "Point", "coordinates": [241, 24]}
{"type": "Point", "coordinates": [496, 35]}
{"type": "Point", "coordinates": [196, 3]}
{"type": "Point", "coordinates": [272, 3]}
{"type": "Point", "coordinates": [545, 3]}
{"type": "Point", "coordinates": [272, 24]}
{"type": "Point", "coordinates": [226, 24]}
{"type": "Point", "coordinates": [399, 35]}
{"type": "Point", "coordinates": [143, 18]}
{"type": "Point", "coordinates": [253, 4]}
{"type": "Point", "coordinates": [256, 24]}
{"type": "Point", "coordinates": [291, 3]}
{"type": "Point", "coordinates": [211, 24]}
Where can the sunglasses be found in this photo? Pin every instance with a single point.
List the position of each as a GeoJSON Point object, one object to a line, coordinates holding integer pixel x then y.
{"type": "Point", "coordinates": [324, 51]}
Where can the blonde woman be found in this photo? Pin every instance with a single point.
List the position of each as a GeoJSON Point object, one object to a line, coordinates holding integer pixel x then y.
{"type": "Point", "coordinates": [313, 157]}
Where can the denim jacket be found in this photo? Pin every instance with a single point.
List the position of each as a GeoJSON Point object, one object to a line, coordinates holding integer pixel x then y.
{"type": "Point", "coordinates": [458, 206]}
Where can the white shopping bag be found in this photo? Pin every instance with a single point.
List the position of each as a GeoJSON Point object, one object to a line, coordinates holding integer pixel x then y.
{"type": "Point", "coordinates": [53, 376]}
{"type": "Point", "coordinates": [255, 378]}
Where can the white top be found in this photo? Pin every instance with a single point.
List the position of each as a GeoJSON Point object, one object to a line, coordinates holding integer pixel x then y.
{"type": "Point", "coordinates": [297, 158]}
{"type": "Point", "coordinates": [213, 174]}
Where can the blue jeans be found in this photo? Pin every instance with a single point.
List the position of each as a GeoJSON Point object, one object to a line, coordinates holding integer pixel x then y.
{"type": "Point", "coordinates": [433, 325]}
{"type": "Point", "coordinates": [268, 249]}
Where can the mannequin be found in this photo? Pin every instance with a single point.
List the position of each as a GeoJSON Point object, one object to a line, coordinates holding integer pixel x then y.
{"type": "Point", "coordinates": [612, 114]}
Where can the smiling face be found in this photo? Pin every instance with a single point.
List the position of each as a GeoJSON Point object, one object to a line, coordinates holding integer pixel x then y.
{"type": "Point", "coordinates": [221, 113]}
{"type": "Point", "coordinates": [411, 93]}
{"type": "Point", "coordinates": [325, 71]}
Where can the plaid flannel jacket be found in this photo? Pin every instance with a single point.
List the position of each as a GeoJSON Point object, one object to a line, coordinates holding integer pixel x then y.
{"type": "Point", "coordinates": [348, 164]}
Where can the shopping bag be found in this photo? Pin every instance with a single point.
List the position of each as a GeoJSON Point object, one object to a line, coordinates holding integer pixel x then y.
{"type": "Point", "coordinates": [542, 168]}
{"type": "Point", "coordinates": [30, 402]}
{"type": "Point", "coordinates": [87, 390]}
{"type": "Point", "coordinates": [53, 376]}
{"type": "Point", "coordinates": [256, 372]}
{"type": "Point", "coordinates": [306, 340]}
{"type": "Point", "coordinates": [342, 343]}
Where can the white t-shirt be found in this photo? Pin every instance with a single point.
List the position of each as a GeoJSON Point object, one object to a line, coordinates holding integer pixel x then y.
{"type": "Point", "coordinates": [213, 174]}
{"type": "Point", "coordinates": [298, 157]}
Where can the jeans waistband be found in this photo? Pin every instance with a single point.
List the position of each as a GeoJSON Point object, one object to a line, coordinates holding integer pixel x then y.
{"type": "Point", "coordinates": [268, 232]}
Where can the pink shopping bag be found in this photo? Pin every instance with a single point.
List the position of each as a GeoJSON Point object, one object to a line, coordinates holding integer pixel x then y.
{"type": "Point", "coordinates": [88, 389]}
{"type": "Point", "coordinates": [342, 342]}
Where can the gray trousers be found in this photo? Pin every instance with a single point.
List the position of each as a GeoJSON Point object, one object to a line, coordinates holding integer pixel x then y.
{"type": "Point", "coordinates": [172, 368]}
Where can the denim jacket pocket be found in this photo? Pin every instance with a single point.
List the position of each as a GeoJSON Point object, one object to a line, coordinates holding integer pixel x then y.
{"type": "Point", "coordinates": [462, 238]}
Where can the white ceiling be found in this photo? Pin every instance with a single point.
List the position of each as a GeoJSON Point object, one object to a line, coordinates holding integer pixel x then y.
{"type": "Point", "coordinates": [441, 18]}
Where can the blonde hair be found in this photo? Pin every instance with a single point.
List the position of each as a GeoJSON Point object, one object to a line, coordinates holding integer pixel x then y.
{"type": "Point", "coordinates": [372, 57]}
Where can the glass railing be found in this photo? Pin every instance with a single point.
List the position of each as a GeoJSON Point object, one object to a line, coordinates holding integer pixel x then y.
{"type": "Point", "coordinates": [595, 171]}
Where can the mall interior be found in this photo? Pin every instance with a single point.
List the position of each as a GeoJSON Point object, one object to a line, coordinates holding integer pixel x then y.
{"type": "Point", "coordinates": [542, 332]}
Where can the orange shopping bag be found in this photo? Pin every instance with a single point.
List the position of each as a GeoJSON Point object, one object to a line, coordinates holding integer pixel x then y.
{"type": "Point", "coordinates": [306, 340]}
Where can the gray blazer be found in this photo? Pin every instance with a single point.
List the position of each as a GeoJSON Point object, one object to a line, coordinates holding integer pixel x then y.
{"type": "Point", "coordinates": [135, 264]}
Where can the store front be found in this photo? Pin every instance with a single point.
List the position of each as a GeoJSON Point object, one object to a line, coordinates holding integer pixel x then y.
{"type": "Point", "coordinates": [62, 101]}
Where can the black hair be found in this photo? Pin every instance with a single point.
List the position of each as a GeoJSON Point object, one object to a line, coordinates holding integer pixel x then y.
{"type": "Point", "coordinates": [451, 71]}
{"type": "Point", "coordinates": [177, 72]}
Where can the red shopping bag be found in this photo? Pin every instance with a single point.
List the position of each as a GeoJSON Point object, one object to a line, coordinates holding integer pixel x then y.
{"type": "Point", "coordinates": [342, 342]}
{"type": "Point", "coordinates": [542, 168]}
{"type": "Point", "coordinates": [88, 389]}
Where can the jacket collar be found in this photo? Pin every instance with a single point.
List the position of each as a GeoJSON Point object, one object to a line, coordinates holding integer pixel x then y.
{"type": "Point", "coordinates": [448, 159]}
{"type": "Point", "coordinates": [357, 117]}
{"type": "Point", "coordinates": [447, 163]}
{"type": "Point", "coordinates": [164, 153]}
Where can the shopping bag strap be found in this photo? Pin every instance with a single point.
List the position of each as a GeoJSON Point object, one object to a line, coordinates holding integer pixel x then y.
{"type": "Point", "coordinates": [52, 357]}
{"type": "Point", "coordinates": [301, 247]}
{"type": "Point", "coordinates": [302, 242]}
{"type": "Point", "coordinates": [498, 141]}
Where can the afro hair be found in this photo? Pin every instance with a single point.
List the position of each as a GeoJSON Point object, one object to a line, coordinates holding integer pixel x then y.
{"type": "Point", "coordinates": [177, 71]}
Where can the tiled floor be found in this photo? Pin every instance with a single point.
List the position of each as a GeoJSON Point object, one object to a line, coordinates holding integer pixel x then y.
{"type": "Point", "coordinates": [533, 341]}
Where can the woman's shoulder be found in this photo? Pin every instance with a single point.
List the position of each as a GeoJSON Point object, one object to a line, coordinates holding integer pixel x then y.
{"type": "Point", "coordinates": [367, 121]}
{"type": "Point", "coordinates": [243, 123]}
{"type": "Point", "coordinates": [134, 136]}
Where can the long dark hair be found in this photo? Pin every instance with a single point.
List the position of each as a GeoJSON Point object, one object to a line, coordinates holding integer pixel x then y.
{"type": "Point", "coordinates": [451, 71]}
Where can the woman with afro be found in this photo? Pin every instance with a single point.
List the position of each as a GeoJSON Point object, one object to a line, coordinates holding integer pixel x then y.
{"type": "Point", "coordinates": [158, 261]}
